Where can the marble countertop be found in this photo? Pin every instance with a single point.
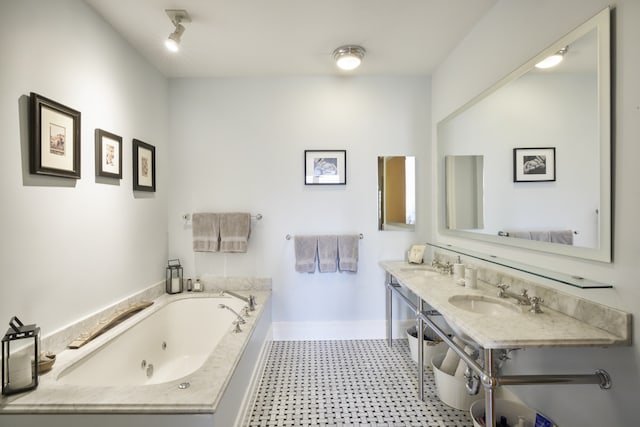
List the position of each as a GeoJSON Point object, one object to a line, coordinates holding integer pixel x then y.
{"type": "Point", "coordinates": [517, 329]}
{"type": "Point", "coordinates": [203, 395]}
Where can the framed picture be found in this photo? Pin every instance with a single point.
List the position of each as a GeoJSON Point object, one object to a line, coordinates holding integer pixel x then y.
{"type": "Point", "coordinates": [325, 167]}
{"type": "Point", "coordinates": [534, 164]}
{"type": "Point", "coordinates": [54, 138]}
{"type": "Point", "coordinates": [108, 154]}
{"type": "Point", "coordinates": [144, 166]}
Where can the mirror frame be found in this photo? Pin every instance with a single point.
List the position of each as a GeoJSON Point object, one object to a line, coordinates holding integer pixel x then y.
{"type": "Point", "coordinates": [602, 23]}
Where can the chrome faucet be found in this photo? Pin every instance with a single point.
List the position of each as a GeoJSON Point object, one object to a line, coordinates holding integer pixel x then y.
{"type": "Point", "coordinates": [522, 298]}
{"type": "Point", "coordinates": [251, 300]}
{"type": "Point", "coordinates": [535, 305]}
{"type": "Point", "coordinates": [239, 318]}
{"type": "Point", "coordinates": [444, 268]}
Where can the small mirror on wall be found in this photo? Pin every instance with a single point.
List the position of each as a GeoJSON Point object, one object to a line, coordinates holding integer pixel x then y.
{"type": "Point", "coordinates": [464, 192]}
{"type": "Point", "coordinates": [396, 193]}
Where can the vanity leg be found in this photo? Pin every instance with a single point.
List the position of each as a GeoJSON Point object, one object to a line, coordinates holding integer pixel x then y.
{"type": "Point", "coordinates": [419, 328]}
{"type": "Point", "coordinates": [388, 300]}
{"type": "Point", "coordinates": [488, 383]}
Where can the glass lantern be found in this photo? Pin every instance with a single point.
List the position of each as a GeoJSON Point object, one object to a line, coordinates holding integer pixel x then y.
{"type": "Point", "coordinates": [173, 284]}
{"type": "Point", "coordinates": [20, 370]}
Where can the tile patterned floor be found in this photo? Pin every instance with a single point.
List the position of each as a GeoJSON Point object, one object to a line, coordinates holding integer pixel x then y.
{"type": "Point", "coordinates": [347, 383]}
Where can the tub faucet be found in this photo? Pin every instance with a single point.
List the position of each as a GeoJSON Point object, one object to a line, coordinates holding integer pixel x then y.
{"type": "Point", "coordinates": [239, 319]}
{"type": "Point", "coordinates": [251, 300]}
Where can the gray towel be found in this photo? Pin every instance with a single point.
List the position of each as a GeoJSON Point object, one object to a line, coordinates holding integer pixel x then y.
{"type": "Point", "coordinates": [520, 234]}
{"type": "Point", "coordinates": [348, 252]}
{"type": "Point", "coordinates": [564, 237]}
{"type": "Point", "coordinates": [206, 230]}
{"type": "Point", "coordinates": [541, 236]}
{"type": "Point", "coordinates": [235, 229]}
{"type": "Point", "coordinates": [328, 253]}
{"type": "Point", "coordinates": [305, 251]}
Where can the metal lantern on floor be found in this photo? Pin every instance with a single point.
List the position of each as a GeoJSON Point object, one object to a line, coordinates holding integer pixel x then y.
{"type": "Point", "coordinates": [174, 277]}
{"type": "Point", "coordinates": [20, 370]}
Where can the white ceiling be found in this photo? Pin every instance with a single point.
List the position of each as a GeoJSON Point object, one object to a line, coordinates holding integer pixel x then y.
{"type": "Point", "coordinates": [294, 37]}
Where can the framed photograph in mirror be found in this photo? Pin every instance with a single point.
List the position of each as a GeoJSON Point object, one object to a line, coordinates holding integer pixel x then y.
{"type": "Point", "coordinates": [325, 167]}
{"type": "Point", "coordinates": [108, 154]}
{"type": "Point", "coordinates": [54, 138]}
{"type": "Point", "coordinates": [144, 166]}
{"type": "Point", "coordinates": [534, 164]}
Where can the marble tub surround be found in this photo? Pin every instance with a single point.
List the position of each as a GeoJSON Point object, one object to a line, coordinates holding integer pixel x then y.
{"type": "Point", "coordinates": [214, 283]}
{"type": "Point", "coordinates": [201, 397]}
{"type": "Point", "coordinates": [518, 328]}
{"type": "Point", "coordinates": [58, 341]}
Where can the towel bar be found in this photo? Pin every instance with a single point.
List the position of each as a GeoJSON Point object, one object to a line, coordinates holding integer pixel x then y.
{"type": "Point", "coordinates": [187, 217]}
{"type": "Point", "coordinates": [506, 233]}
{"type": "Point", "coordinates": [289, 236]}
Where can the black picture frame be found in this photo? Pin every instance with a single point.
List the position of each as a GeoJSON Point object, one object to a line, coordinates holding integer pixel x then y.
{"type": "Point", "coordinates": [108, 154]}
{"type": "Point", "coordinates": [325, 167]}
{"type": "Point", "coordinates": [54, 138]}
{"type": "Point", "coordinates": [534, 164]}
{"type": "Point", "coordinates": [144, 166]}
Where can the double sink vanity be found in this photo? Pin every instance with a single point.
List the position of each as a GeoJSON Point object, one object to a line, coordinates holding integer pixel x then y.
{"type": "Point", "coordinates": [493, 321]}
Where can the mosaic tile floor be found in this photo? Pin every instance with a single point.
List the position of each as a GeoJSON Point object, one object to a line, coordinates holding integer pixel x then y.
{"type": "Point", "coordinates": [347, 383]}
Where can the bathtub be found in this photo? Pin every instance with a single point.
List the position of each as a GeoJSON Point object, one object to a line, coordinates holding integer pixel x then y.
{"type": "Point", "coordinates": [178, 362]}
{"type": "Point", "coordinates": [167, 345]}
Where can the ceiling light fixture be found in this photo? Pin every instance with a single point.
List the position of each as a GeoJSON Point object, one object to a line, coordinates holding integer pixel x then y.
{"type": "Point", "coordinates": [553, 60]}
{"type": "Point", "coordinates": [177, 16]}
{"type": "Point", "coordinates": [348, 57]}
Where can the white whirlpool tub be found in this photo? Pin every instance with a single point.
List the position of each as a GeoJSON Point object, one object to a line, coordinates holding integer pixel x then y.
{"type": "Point", "coordinates": [178, 362]}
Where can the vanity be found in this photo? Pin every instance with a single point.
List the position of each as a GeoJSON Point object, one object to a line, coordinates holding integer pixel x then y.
{"type": "Point", "coordinates": [510, 171]}
{"type": "Point", "coordinates": [494, 325]}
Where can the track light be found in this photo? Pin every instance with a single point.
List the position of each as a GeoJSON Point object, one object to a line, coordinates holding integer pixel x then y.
{"type": "Point", "coordinates": [348, 57]}
{"type": "Point", "coordinates": [177, 16]}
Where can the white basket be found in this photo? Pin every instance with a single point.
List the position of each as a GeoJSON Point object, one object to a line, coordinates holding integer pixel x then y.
{"type": "Point", "coordinates": [451, 389]}
{"type": "Point", "coordinates": [430, 349]}
{"type": "Point", "coordinates": [506, 408]}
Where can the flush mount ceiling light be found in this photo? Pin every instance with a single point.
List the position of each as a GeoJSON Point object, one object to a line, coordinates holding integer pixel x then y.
{"type": "Point", "coordinates": [553, 60]}
{"type": "Point", "coordinates": [348, 57]}
{"type": "Point", "coordinates": [177, 16]}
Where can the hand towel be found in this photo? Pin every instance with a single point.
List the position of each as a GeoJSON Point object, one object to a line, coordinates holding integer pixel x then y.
{"type": "Point", "coordinates": [235, 229]}
{"type": "Point", "coordinates": [462, 365]}
{"type": "Point", "coordinates": [520, 234]}
{"type": "Point", "coordinates": [348, 252]}
{"type": "Point", "coordinates": [305, 252]}
{"type": "Point", "coordinates": [451, 360]}
{"type": "Point", "coordinates": [562, 236]}
{"type": "Point", "coordinates": [328, 253]}
{"type": "Point", "coordinates": [206, 231]}
{"type": "Point", "coordinates": [541, 236]}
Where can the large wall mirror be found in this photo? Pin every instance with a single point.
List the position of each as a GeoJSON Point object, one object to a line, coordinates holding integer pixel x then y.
{"type": "Point", "coordinates": [535, 149]}
{"type": "Point", "coordinates": [396, 193]}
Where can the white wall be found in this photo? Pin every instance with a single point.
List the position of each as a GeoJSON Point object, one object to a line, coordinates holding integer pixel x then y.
{"type": "Point", "coordinates": [510, 34]}
{"type": "Point", "coordinates": [71, 247]}
{"type": "Point", "coordinates": [238, 145]}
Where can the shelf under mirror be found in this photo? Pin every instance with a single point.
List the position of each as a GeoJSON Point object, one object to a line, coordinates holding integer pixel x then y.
{"type": "Point", "coordinates": [567, 279]}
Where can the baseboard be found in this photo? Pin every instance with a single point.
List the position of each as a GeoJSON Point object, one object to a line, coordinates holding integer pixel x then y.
{"type": "Point", "coordinates": [348, 330]}
{"type": "Point", "coordinates": [254, 382]}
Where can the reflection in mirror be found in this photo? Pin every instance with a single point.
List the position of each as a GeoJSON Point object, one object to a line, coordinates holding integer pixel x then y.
{"type": "Point", "coordinates": [464, 192]}
{"type": "Point", "coordinates": [396, 193]}
{"type": "Point", "coordinates": [567, 108]}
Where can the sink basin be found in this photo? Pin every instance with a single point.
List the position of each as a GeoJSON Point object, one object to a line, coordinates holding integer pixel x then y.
{"type": "Point", "coordinates": [420, 271]}
{"type": "Point", "coordinates": [482, 304]}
